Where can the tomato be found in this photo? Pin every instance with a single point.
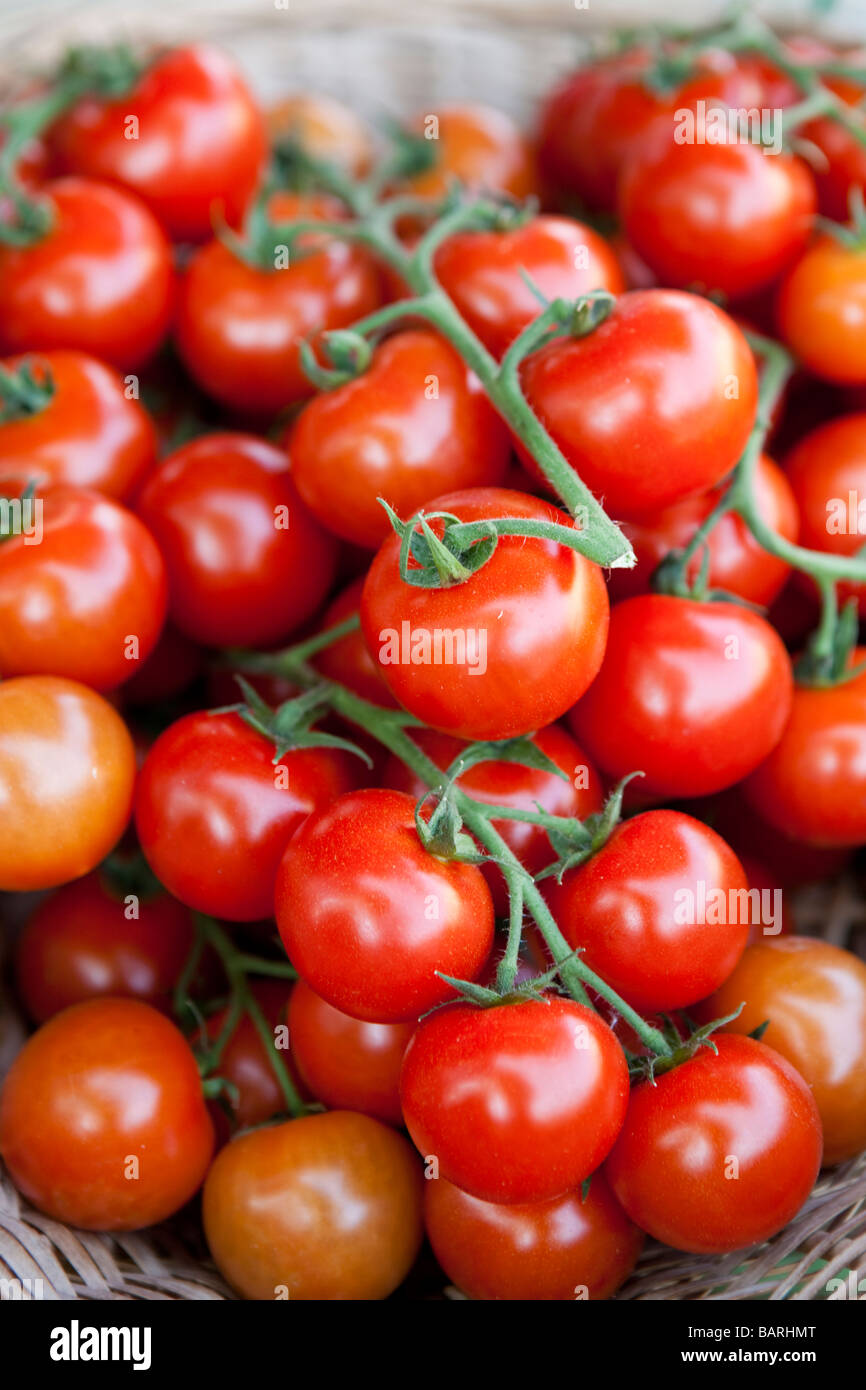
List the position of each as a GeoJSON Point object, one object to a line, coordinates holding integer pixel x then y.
{"type": "Point", "coordinates": [533, 623]}
{"type": "Point", "coordinates": [737, 564]}
{"type": "Point", "coordinates": [516, 1103]}
{"type": "Point", "coordinates": [90, 433]}
{"type": "Point", "coordinates": [812, 786]}
{"type": "Point", "coordinates": [246, 561]}
{"type": "Point", "coordinates": [821, 311]}
{"type": "Point", "coordinates": [238, 326]}
{"type": "Point", "coordinates": [324, 128]}
{"type": "Point", "coordinates": [415, 424]}
{"type": "Point", "coordinates": [727, 218]}
{"type": "Point", "coordinates": [323, 1208]}
{"type": "Point", "coordinates": [485, 273]}
{"type": "Point", "coordinates": [827, 472]}
{"type": "Point", "coordinates": [565, 1248]}
{"type": "Point", "coordinates": [840, 166]}
{"type": "Point", "coordinates": [673, 388]}
{"type": "Point", "coordinates": [245, 1062]}
{"type": "Point", "coordinates": [695, 695]}
{"type": "Point", "coordinates": [719, 1153]}
{"type": "Point", "coordinates": [214, 813]}
{"type": "Point", "coordinates": [348, 660]}
{"type": "Point", "coordinates": [102, 1120]}
{"type": "Point", "coordinates": [789, 861]}
{"type": "Point", "coordinates": [478, 147]}
{"type": "Point", "coordinates": [188, 139]}
{"type": "Point", "coordinates": [88, 600]}
{"type": "Point", "coordinates": [660, 912]}
{"type": "Point", "coordinates": [100, 281]}
{"type": "Point", "coordinates": [346, 1062]}
{"type": "Point", "coordinates": [67, 769]}
{"type": "Point", "coordinates": [87, 940]}
{"type": "Point", "coordinates": [510, 784]}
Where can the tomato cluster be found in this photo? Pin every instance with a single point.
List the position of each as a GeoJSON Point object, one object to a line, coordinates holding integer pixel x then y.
{"type": "Point", "coordinates": [327, 668]}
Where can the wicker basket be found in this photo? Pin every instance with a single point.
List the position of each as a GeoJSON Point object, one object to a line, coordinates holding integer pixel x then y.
{"type": "Point", "coordinates": [396, 57]}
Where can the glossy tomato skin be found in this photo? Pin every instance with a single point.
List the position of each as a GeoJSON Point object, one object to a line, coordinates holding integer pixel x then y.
{"type": "Point", "coordinates": [348, 660]}
{"type": "Point", "coordinates": [660, 910]}
{"type": "Point", "coordinates": [484, 273]}
{"type": "Point", "coordinates": [52, 831]}
{"type": "Point", "coordinates": [537, 613]}
{"type": "Point", "coordinates": [812, 785]}
{"type": "Point", "coordinates": [821, 311]}
{"type": "Point", "coordinates": [82, 942]}
{"type": "Point", "coordinates": [101, 281]}
{"type": "Point", "coordinates": [517, 1103]}
{"type": "Point", "coordinates": [664, 424]}
{"type": "Point", "coordinates": [701, 693]}
{"type": "Point", "coordinates": [91, 434]}
{"type": "Point", "coordinates": [327, 1207]}
{"type": "Point", "coordinates": [367, 916]}
{"type": "Point", "coordinates": [672, 1167]}
{"type": "Point", "coordinates": [246, 561]}
{"type": "Point", "coordinates": [563, 1249]}
{"type": "Point", "coordinates": [348, 1064]}
{"type": "Point", "coordinates": [480, 147]}
{"type": "Point", "coordinates": [814, 996]}
{"type": "Point", "coordinates": [99, 1085]}
{"type": "Point", "coordinates": [827, 471]}
{"type": "Point", "coordinates": [214, 813]}
{"type": "Point", "coordinates": [89, 600]}
{"type": "Point", "coordinates": [199, 146]}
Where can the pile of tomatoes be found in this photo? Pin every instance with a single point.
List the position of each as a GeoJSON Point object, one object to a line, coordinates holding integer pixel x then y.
{"type": "Point", "coordinates": [376, 945]}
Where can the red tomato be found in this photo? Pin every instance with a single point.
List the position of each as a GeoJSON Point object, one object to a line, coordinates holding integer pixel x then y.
{"type": "Point", "coordinates": [814, 996]}
{"type": "Point", "coordinates": [188, 139]}
{"type": "Point", "coordinates": [517, 1103]}
{"type": "Point", "coordinates": [88, 600]}
{"type": "Point", "coordinates": [101, 280]}
{"type": "Point", "coordinates": [510, 784]}
{"type": "Point", "coordinates": [67, 770]}
{"type": "Point", "coordinates": [348, 660]}
{"type": "Point", "coordinates": [701, 693]}
{"type": "Point", "coordinates": [827, 471]}
{"type": "Point", "coordinates": [719, 1153]}
{"type": "Point", "coordinates": [821, 311]}
{"type": "Point", "coordinates": [565, 1248]}
{"type": "Point", "coordinates": [246, 561]}
{"type": "Point", "coordinates": [841, 164]}
{"type": "Point", "coordinates": [214, 812]}
{"type": "Point", "coordinates": [89, 434]}
{"type": "Point", "coordinates": [415, 424]}
{"type": "Point", "coordinates": [245, 1062]}
{"type": "Point", "coordinates": [238, 327]}
{"type": "Point", "coordinates": [485, 273]}
{"type": "Point", "coordinates": [661, 912]}
{"type": "Point", "coordinates": [673, 388]}
{"type": "Point", "coordinates": [480, 148]}
{"type": "Point", "coordinates": [327, 1207]}
{"type": "Point", "coordinates": [533, 621]}
{"type": "Point", "coordinates": [346, 1062]}
{"type": "Point", "coordinates": [102, 1120]}
{"type": "Point", "coordinates": [368, 917]}
{"type": "Point", "coordinates": [738, 564]}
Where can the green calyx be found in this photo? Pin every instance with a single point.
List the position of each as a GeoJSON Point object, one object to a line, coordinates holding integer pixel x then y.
{"type": "Point", "coordinates": [290, 726]}
{"type": "Point", "coordinates": [23, 394]}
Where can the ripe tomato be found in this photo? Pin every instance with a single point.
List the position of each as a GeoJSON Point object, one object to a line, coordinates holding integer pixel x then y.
{"type": "Point", "coordinates": [87, 940]}
{"type": "Point", "coordinates": [324, 128]}
{"type": "Point", "coordinates": [102, 1120]}
{"type": "Point", "coordinates": [214, 812]}
{"type": "Point", "coordinates": [565, 1248]}
{"type": "Point", "coordinates": [814, 995]}
{"type": "Point", "coordinates": [738, 564]}
{"type": "Point", "coordinates": [348, 660]}
{"type": "Point", "coordinates": [719, 1153]}
{"type": "Point", "coordinates": [533, 621]}
{"type": "Point", "coordinates": [485, 273]}
{"type": "Point", "coordinates": [415, 424]}
{"type": "Point", "coordinates": [323, 1208]}
{"type": "Point", "coordinates": [238, 327]}
{"type": "Point", "coordinates": [510, 784]}
{"type": "Point", "coordinates": [517, 1103]}
{"type": "Point", "coordinates": [246, 561]}
{"type": "Point", "coordinates": [812, 786]}
{"type": "Point", "coordinates": [480, 148]}
{"type": "Point", "coordinates": [673, 388]}
{"type": "Point", "coordinates": [841, 165]}
{"type": "Point", "coordinates": [245, 1062]}
{"type": "Point", "coordinates": [346, 1062]}
{"type": "Point", "coordinates": [101, 280]}
{"type": "Point", "coordinates": [701, 693]}
{"type": "Point", "coordinates": [367, 916]}
{"type": "Point", "coordinates": [67, 769]}
{"type": "Point", "coordinates": [88, 601]}
{"type": "Point", "coordinates": [661, 911]}
{"type": "Point", "coordinates": [89, 434]}
{"type": "Point", "coordinates": [827, 471]}
{"type": "Point", "coordinates": [188, 139]}
{"type": "Point", "coordinates": [821, 311]}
